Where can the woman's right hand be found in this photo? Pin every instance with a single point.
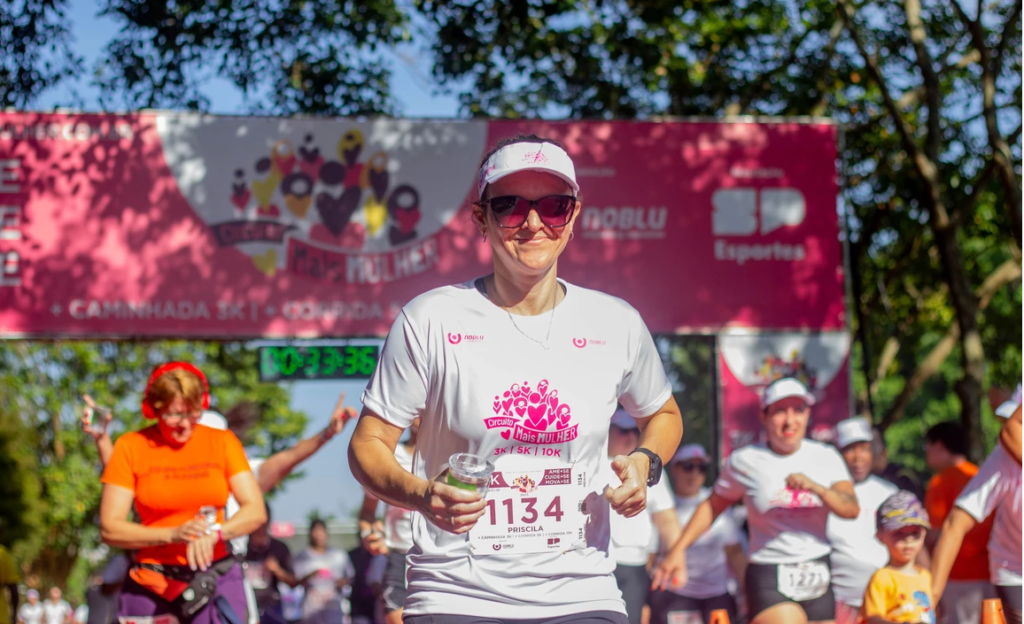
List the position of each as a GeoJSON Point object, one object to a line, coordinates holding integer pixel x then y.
{"type": "Point", "coordinates": [374, 542]}
{"type": "Point", "coordinates": [450, 508]}
{"type": "Point", "coordinates": [189, 531]}
{"type": "Point", "coordinates": [671, 572]}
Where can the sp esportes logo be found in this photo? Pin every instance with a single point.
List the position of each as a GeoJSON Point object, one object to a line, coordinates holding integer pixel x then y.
{"type": "Point", "coordinates": [533, 415]}
{"type": "Point", "coordinates": [749, 212]}
{"type": "Point", "coordinates": [335, 217]}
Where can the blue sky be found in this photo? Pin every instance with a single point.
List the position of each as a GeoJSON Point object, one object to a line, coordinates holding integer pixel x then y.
{"type": "Point", "coordinates": [327, 484]}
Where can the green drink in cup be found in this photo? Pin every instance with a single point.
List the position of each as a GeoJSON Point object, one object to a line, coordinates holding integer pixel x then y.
{"type": "Point", "coordinates": [470, 472]}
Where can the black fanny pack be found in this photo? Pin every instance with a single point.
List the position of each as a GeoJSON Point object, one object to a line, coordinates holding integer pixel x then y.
{"type": "Point", "coordinates": [202, 586]}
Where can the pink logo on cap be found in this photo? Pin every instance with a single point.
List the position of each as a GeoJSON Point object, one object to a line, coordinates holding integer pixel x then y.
{"type": "Point", "coordinates": [535, 157]}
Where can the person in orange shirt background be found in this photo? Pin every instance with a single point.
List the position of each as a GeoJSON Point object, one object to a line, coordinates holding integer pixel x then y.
{"type": "Point", "coordinates": [969, 584]}
{"type": "Point", "coordinates": [178, 474]}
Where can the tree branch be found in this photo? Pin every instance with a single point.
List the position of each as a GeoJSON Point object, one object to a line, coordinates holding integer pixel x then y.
{"type": "Point", "coordinates": [933, 92]}
{"type": "Point", "coordinates": [1007, 272]}
{"type": "Point", "coordinates": [1004, 39]}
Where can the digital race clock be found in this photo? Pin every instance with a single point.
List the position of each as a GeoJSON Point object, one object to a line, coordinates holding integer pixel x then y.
{"type": "Point", "coordinates": [346, 361]}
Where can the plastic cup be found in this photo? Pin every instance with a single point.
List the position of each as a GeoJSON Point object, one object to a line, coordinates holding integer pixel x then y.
{"type": "Point", "coordinates": [470, 472]}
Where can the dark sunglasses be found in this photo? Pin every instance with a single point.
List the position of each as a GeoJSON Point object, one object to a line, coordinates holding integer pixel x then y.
{"type": "Point", "coordinates": [692, 466]}
{"type": "Point", "coordinates": [511, 211]}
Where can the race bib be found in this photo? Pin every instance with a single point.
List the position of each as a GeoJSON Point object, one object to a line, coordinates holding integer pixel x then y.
{"type": "Point", "coordinates": [256, 574]}
{"type": "Point", "coordinates": [531, 511]}
{"type": "Point", "coordinates": [804, 581]}
{"type": "Point", "coordinates": [684, 617]}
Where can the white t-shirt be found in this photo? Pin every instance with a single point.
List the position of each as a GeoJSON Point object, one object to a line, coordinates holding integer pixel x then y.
{"type": "Point", "coordinates": [241, 543]}
{"type": "Point", "coordinates": [82, 614]}
{"type": "Point", "coordinates": [856, 551]}
{"type": "Point", "coordinates": [56, 612]}
{"type": "Point", "coordinates": [634, 539]}
{"type": "Point", "coordinates": [997, 487]}
{"type": "Point", "coordinates": [707, 568]}
{"type": "Point", "coordinates": [322, 593]}
{"type": "Point", "coordinates": [31, 613]}
{"type": "Point", "coordinates": [786, 526]}
{"type": "Point", "coordinates": [464, 366]}
{"type": "Point", "coordinates": [398, 521]}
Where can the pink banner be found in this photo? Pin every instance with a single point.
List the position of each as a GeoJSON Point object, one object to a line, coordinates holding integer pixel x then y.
{"type": "Point", "coordinates": [747, 363]}
{"type": "Point", "coordinates": [182, 225]}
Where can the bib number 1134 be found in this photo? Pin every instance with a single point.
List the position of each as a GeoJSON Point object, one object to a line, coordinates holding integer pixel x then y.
{"type": "Point", "coordinates": [529, 512]}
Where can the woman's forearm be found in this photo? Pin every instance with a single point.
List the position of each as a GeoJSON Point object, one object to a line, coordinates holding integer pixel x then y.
{"type": "Point", "coordinates": [374, 465]}
{"type": "Point", "coordinates": [131, 536]}
{"type": "Point", "coordinates": [700, 522]}
{"type": "Point", "coordinates": [663, 431]}
{"type": "Point", "coordinates": [840, 502]}
{"type": "Point", "coordinates": [249, 517]}
{"type": "Point", "coordinates": [956, 526]}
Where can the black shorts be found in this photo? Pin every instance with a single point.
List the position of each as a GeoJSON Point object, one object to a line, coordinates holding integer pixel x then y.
{"type": "Point", "coordinates": [1010, 596]}
{"type": "Point", "coordinates": [635, 585]}
{"type": "Point", "coordinates": [664, 603]}
{"type": "Point", "coordinates": [762, 590]}
{"type": "Point", "coordinates": [394, 592]}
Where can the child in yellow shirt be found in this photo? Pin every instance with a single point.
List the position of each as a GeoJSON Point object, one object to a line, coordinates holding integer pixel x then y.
{"type": "Point", "coordinates": [901, 592]}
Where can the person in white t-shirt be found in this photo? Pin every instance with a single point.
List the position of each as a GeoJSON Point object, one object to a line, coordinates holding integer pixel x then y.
{"type": "Point", "coordinates": [856, 552]}
{"type": "Point", "coordinates": [393, 539]}
{"type": "Point", "coordinates": [996, 488]}
{"type": "Point", "coordinates": [32, 611]}
{"type": "Point", "coordinates": [632, 538]}
{"type": "Point", "coordinates": [526, 370]}
{"type": "Point", "coordinates": [788, 578]}
{"type": "Point", "coordinates": [706, 559]}
{"type": "Point", "coordinates": [56, 610]}
{"type": "Point", "coordinates": [324, 572]}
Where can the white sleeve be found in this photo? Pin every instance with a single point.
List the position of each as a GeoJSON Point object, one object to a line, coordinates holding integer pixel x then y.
{"type": "Point", "coordinates": [731, 483]}
{"type": "Point", "coordinates": [659, 497]}
{"type": "Point", "coordinates": [836, 468]}
{"type": "Point", "coordinates": [397, 391]}
{"type": "Point", "coordinates": [730, 531]}
{"type": "Point", "coordinates": [644, 387]}
{"type": "Point", "coordinates": [982, 494]}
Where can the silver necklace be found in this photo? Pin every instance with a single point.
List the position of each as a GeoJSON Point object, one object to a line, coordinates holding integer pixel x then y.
{"type": "Point", "coordinates": [547, 337]}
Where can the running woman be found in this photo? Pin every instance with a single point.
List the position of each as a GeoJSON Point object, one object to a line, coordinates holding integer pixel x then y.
{"type": "Point", "coordinates": [788, 579]}
{"type": "Point", "coordinates": [173, 473]}
{"type": "Point", "coordinates": [524, 369]}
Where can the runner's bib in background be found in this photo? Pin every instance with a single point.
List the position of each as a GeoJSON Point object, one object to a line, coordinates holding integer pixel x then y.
{"type": "Point", "coordinates": [804, 581]}
{"type": "Point", "coordinates": [531, 511]}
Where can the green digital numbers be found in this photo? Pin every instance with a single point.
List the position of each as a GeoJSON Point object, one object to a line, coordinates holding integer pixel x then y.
{"type": "Point", "coordinates": [317, 362]}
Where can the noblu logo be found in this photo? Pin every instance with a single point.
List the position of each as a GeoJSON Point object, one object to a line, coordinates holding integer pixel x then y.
{"type": "Point", "coordinates": [748, 212]}
{"type": "Point", "coordinates": [624, 222]}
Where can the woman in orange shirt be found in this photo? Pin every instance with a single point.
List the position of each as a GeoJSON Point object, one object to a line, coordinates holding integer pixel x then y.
{"type": "Point", "coordinates": [178, 475]}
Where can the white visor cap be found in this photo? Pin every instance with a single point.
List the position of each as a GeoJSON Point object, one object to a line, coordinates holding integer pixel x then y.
{"type": "Point", "coordinates": [213, 420]}
{"type": "Point", "coordinates": [1010, 406]}
{"type": "Point", "coordinates": [783, 389]}
{"type": "Point", "coordinates": [853, 430]}
{"type": "Point", "coordinates": [517, 157]}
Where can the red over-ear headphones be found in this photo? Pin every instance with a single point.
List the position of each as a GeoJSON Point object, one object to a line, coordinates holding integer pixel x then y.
{"type": "Point", "coordinates": [147, 409]}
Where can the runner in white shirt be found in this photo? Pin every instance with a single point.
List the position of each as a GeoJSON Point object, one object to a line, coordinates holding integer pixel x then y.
{"type": "Point", "coordinates": [32, 611]}
{"type": "Point", "coordinates": [856, 552]}
{"type": "Point", "coordinates": [56, 610]}
{"type": "Point", "coordinates": [788, 578]}
{"type": "Point", "coordinates": [324, 572]}
{"type": "Point", "coordinates": [706, 559]}
{"type": "Point", "coordinates": [526, 370]}
{"type": "Point", "coordinates": [634, 539]}
{"type": "Point", "coordinates": [996, 488]}
{"type": "Point", "coordinates": [394, 538]}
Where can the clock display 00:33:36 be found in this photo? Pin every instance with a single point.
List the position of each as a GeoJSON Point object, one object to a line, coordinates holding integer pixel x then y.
{"type": "Point", "coordinates": [317, 362]}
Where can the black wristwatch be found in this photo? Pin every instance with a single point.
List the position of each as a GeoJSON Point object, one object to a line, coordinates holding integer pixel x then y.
{"type": "Point", "coordinates": [654, 474]}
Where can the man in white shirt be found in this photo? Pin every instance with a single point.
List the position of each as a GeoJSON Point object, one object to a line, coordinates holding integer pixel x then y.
{"type": "Point", "coordinates": [32, 611]}
{"type": "Point", "coordinates": [633, 539]}
{"type": "Point", "coordinates": [56, 610]}
{"type": "Point", "coordinates": [856, 552]}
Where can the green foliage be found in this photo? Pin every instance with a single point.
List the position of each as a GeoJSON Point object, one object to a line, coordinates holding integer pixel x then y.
{"type": "Point", "coordinates": [37, 49]}
{"type": "Point", "coordinates": [57, 522]}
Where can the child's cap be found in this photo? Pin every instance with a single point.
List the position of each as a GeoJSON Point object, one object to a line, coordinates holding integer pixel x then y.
{"type": "Point", "coordinates": [902, 509]}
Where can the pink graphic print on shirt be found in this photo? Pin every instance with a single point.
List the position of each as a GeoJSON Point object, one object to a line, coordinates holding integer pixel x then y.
{"type": "Point", "coordinates": [795, 499]}
{"type": "Point", "coordinates": [533, 415]}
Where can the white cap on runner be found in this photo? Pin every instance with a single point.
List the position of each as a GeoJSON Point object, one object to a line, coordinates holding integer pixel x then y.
{"type": "Point", "coordinates": [623, 420]}
{"type": "Point", "coordinates": [783, 389]}
{"type": "Point", "coordinates": [853, 430]}
{"type": "Point", "coordinates": [690, 451]}
{"type": "Point", "coordinates": [517, 157]}
{"type": "Point", "coordinates": [1010, 405]}
{"type": "Point", "coordinates": [213, 420]}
